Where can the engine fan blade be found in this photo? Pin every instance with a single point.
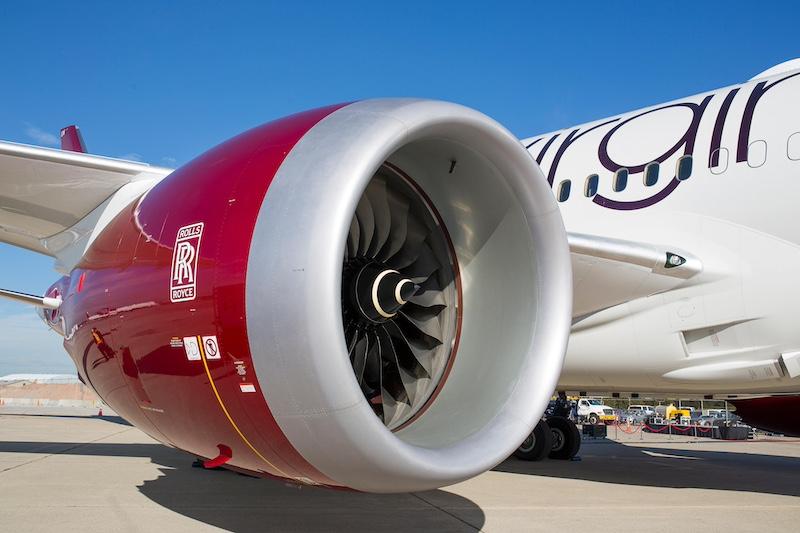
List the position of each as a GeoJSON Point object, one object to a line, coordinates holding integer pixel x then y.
{"type": "Point", "coordinates": [392, 410]}
{"type": "Point", "coordinates": [423, 266]}
{"type": "Point", "coordinates": [350, 335]}
{"type": "Point", "coordinates": [423, 313]}
{"type": "Point", "coordinates": [378, 197]}
{"type": "Point", "coordinates": [392, 379]}
{"type": "Point", "coordinates": [395, 398]}
{"type": "Point", "coordinates": [398, 212]}
{"type": "Point", "coordinates": [432, 284]}
{"type": "Point", "coordinates": [429, 327]}
{"type": "Point", "coordinates": [359, 358]}
{"type": "Point", "coordinates": [373, 367]}
{"type": "Point", "coordinates": [419, 332]}
{"type": "Point", "coordinates": [353, 238]}
{"type": "Point", "coordinates": [416, 232]}
{"type": "Point", "coordinates": [428, 298]}
{"type": "Point", "coordinates": [416, 360]}
{"type": "Point", "coordinates": [366, 223]}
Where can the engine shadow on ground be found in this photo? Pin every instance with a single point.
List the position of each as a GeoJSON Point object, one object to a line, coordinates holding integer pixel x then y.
{"type": "Point", "coordinates": [114, 419]}
{"type": "Point", "coordinates": [608, 461]}
{"type": "Point", "coordinates": [239, 503]}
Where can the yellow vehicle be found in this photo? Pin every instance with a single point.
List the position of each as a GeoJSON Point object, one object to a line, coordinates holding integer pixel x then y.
{"type": "Point", "coordinates": [673, 413]}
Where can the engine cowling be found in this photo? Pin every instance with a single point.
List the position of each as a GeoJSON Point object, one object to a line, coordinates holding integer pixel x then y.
{"type": "Point", "coordinates": [374, 296]}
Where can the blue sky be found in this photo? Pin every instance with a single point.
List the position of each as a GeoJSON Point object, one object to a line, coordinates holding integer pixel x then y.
{"type": "Point", "coordinates": [162, 83]}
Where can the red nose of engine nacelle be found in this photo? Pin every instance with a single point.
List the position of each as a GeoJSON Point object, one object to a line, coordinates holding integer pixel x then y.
{"type": "Point", "coordinates": [209, 313]}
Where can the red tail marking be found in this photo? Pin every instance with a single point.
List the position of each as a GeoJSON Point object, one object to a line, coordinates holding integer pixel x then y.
{"type": "Point", "coordinates": [72, 140]}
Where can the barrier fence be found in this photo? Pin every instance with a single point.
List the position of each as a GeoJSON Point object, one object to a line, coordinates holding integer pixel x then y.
{"type": "Point", "coordinates": [714, 432]}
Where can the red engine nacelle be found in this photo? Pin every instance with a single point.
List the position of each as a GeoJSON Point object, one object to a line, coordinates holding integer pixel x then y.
{"type": "Point", "coordinates": [209, 313]}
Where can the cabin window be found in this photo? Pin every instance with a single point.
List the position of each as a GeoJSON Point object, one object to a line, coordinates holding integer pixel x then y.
{"type": "Point", "coordinates": [590, 188]}
{"type": "Point", "coordinates": [620, 179]}
{"type": "Point", "coordinates": [756, 154]}
{"type": "Point", "coordinates": [651, 173]}
{"type": "Point", "coordinates": [793, 147]}
{"type": "Point", "coordinates": [719, 161]}
{"type": "Point", "coordinates": [683, 169]}
{"type": "Point", "coordinates": [563, 190]}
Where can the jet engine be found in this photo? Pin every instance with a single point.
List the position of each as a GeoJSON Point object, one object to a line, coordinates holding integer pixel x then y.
{"type": "Point", "coordinates": [374, 296]}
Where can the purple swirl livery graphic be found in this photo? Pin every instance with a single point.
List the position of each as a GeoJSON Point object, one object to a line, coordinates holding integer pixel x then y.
{"type": "Point", "coordinates": [686, 142]}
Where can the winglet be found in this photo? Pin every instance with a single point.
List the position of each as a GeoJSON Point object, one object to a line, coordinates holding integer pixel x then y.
{"type": "Point", "coordinates": [72, 140]}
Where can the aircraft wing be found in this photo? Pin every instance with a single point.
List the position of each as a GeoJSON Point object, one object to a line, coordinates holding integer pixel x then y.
{"type": "Point", "coordinates": [51, 199]}
{"type": "Point", "coordinates": [608, 271]}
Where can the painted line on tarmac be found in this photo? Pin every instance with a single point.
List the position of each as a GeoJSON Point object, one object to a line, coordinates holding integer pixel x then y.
{"type": "Point", "coordinates": [670, 456]}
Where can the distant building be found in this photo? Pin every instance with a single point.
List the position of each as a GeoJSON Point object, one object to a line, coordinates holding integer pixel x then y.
{"type": "Point", "coordinates": [40, 378]}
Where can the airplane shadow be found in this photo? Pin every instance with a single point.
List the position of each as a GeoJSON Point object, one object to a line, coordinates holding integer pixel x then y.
{"type": "Point", "coordinates": [608, 461]}
{"type": "Point", "coordinates": [114, 419]}
{"type": "Point", "coordinates": [245, 504]}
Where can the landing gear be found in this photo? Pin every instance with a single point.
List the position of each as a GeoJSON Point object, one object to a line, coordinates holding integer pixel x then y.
{"type": "Point", "coordinates": [537, 445]}
{"type": "Point", "coordinates": [566, 438]}
{"type": "Point", "coordinates": [557, 437]}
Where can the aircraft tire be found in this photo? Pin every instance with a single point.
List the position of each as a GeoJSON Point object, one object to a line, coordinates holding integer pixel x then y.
{"type": "Point", "coordinates": [538, 444]}
{"type": "Point", "coordinates": [566, 438]}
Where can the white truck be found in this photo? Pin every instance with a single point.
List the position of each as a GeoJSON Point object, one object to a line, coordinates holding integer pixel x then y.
{"type": "Point", "coordinates": [594, 411]}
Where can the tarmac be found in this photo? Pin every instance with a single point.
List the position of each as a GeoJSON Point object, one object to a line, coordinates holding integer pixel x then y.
{"type": "Point", "coordinates": [86, 473]}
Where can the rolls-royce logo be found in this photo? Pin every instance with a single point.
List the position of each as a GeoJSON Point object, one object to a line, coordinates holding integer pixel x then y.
{"type": "Point", "coordinates": [183, 282]}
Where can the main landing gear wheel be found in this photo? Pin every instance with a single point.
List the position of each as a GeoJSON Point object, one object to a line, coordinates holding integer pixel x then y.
{"type": "Point", "coordinates": [537, 445]}
{"type": "Point", "coordinates": [566, 438]}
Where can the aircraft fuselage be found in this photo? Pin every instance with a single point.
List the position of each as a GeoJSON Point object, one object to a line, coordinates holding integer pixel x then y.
{"type": "Point", "coordinates": [731, 329]}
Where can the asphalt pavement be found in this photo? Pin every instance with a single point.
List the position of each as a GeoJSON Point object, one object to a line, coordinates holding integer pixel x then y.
{"type": "Point", "coordinates": [83, 473]}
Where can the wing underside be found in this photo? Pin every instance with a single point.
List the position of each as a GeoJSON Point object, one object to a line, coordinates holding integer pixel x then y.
{"type": "Point", "coordinates": [45, 192]}
{"type": "Point", "coordinates": [608, 272]}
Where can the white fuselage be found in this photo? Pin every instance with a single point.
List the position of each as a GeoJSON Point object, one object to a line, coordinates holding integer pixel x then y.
{"type": "Point", "coordinates": [734, 327]}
